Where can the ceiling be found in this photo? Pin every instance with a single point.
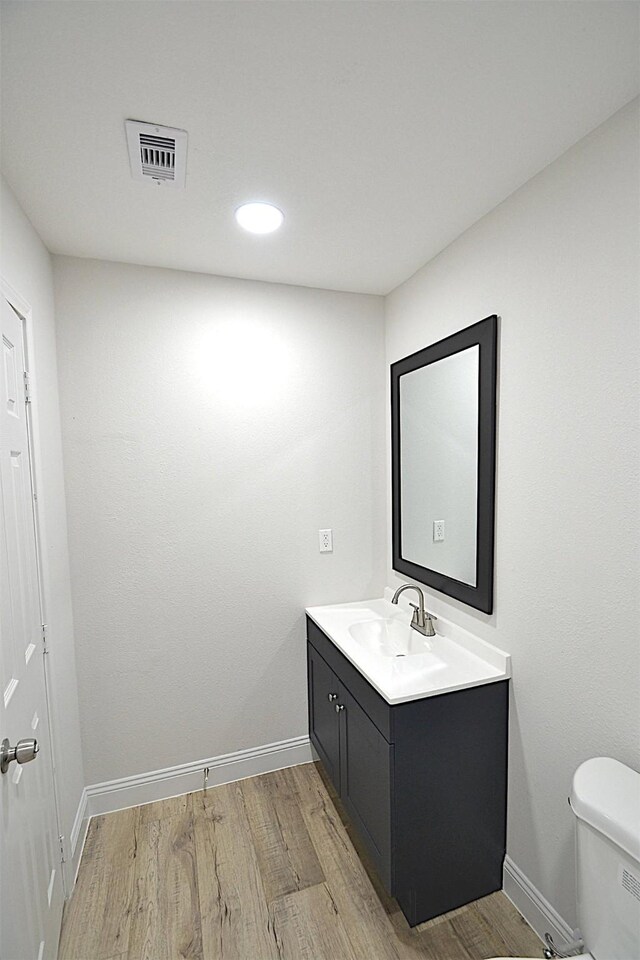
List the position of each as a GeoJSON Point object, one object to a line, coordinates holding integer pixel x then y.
{"type": "Point", "coordinates": [382, 130]}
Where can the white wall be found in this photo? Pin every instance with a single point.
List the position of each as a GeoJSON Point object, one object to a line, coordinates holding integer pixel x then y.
{"type": "Point", "coordinates": [26, 267]}
{"type": "Point", "coordinates": [211, 427]}
{"type": "Point", "coordinates": [558, 261]}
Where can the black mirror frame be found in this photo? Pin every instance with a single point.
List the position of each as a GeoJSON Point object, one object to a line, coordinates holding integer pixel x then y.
{"type": "Point", "coordinates": [485, 335]}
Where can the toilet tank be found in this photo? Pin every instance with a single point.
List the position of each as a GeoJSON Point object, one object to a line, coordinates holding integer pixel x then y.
{"type": "Point", "coordinates": [605, 798]}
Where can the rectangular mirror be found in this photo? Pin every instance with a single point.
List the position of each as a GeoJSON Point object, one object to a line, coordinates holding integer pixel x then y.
{"type": "Point", "coordinates": [443, 402]}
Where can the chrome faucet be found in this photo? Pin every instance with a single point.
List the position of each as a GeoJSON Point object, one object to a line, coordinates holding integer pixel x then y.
{"type": "Point", "coordinates": [422, 621]}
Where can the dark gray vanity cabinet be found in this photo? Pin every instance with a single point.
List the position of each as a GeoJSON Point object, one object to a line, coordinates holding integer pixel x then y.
{"type": "Point", "coordinates": [356, 757]}
{"type": "Point", "coordinates": [423, 782]}
{"type": "Point", "coordinates": [324, 693]}
{"type": "Point", "coordinates": [366, 761]}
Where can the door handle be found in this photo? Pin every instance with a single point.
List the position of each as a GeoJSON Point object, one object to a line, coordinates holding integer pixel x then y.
{"type": "Point", "coordinates": [23, 752]}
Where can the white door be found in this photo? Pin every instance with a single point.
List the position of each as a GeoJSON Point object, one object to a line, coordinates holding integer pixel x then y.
{"type": "Point", "coordinates": [31, 894]}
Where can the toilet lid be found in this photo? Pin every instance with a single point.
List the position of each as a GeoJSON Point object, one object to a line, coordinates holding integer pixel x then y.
{"type": "Point", "coordinates": [606, 795]}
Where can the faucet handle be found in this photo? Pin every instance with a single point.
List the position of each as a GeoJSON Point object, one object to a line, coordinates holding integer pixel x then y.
{"type": "Point", "coordinates": [418, 614]}
{"type": "Point", "coordinates": [427, 615]}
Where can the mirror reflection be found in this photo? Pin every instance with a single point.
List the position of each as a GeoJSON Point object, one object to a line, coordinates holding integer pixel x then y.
{"type": "Point", "coordinates": [439, 464]}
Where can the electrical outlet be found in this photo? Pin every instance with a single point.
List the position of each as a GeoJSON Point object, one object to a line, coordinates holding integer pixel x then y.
{"type": "Point", "coordinates": [325, 539]}
{"type": "Point", "coordinates": [438, 530]}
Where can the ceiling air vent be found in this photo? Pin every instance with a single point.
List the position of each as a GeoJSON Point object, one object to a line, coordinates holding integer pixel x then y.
{"type": "Point", "coordinates": [157, 154]}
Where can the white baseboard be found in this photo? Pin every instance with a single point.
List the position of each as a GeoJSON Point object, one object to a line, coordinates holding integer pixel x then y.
{"type": "Point", "coordinates": [537, 911]}
{"type": "Point", "coordinates": [81, 816]}
{"type": "Point", "coordinates": [77, 838]}
{"type": "Point", "coordinates": [188, 777]}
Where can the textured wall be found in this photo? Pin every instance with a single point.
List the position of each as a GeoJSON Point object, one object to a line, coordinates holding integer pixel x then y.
{"type": "Point", "coordinates": [26, 265]}
{"type": "Point", "coordinates": [211, 427]}
{"type": "Point", "coordinates": [558, 261]}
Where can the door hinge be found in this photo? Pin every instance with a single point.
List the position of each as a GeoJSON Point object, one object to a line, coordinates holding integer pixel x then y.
{"type": "Point", "coordinates": [62, 857]}
{"type": "Point", "coordinates": [45, 637]}
{"type": "Point", "coordinates": [27, 387]}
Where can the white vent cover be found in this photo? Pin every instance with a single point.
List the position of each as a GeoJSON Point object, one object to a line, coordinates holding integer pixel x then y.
{"type": "Point", "coordinates": [157, 154]}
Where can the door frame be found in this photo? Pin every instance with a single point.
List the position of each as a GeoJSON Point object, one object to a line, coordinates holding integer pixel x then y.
{"type": "Point", "coordinates": [24, 310]}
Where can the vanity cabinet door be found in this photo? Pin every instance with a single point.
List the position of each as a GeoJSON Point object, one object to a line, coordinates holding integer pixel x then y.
{"type": "Point", "coordinates": [324, 726]}
{"type": "Point", "coordinates": [366, 762]}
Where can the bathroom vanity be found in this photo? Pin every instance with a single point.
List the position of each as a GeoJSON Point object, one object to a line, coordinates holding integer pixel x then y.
{"type": "Point", "coordinates": [413, 735]}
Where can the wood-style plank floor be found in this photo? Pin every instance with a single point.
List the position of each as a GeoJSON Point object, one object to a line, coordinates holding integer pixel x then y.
{"type": "Point", "coordinates": [261, 869]}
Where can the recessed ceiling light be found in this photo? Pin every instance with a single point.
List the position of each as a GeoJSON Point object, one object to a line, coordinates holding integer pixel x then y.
{"type": "Point", "coordinates": [259, 217]}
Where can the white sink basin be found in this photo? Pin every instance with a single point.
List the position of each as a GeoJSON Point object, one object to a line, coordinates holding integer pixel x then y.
{"type": "Point", "coordinates": [399, 662]}
{"type": "Point", "coordinates": [390, 638]}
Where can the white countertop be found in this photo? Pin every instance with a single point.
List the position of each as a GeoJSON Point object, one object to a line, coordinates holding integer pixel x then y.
{"type": "Point", "coordinates": [452, 660]}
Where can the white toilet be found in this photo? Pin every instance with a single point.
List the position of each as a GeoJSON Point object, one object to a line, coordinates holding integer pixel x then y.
{"type": "Point", "coordinates": [605, 799]}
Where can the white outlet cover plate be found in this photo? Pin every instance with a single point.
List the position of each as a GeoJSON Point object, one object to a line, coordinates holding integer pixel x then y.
{"type": "Point", "coordinates": [325, 541]}
{"type": "Point", "coordinates": [438, 530]}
